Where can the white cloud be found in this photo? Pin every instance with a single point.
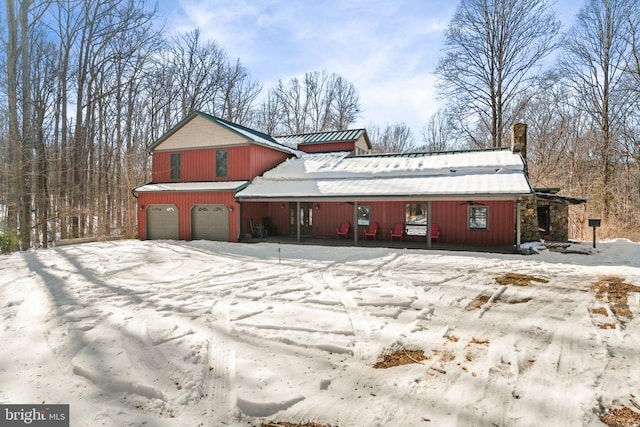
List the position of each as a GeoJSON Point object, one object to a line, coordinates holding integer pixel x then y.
{"type": "Point", "coordinates": [387, 49]}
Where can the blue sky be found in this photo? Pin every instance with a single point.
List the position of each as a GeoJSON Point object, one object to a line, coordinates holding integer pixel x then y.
{"type": "Point", "coordinates": [387, 49]}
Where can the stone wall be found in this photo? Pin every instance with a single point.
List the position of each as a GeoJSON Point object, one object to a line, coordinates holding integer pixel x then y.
{"type": "Point", "coordinates": [529, 221]}
{"type": "Point", "coordinates": [558, 221]}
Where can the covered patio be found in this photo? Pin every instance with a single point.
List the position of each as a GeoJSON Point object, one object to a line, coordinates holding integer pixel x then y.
{"type": "Point", "coordinates": [473, 197]}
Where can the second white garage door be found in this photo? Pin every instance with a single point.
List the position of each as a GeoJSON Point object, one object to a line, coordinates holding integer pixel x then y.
{"type": "Point", "coordinates": [210, 222]}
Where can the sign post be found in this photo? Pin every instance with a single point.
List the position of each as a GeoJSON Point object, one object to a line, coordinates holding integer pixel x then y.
{"type": "Point", "coordinates": [594, 223]}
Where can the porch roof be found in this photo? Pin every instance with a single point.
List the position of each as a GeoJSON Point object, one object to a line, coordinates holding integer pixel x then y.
{"type": "Point", "coordinates": [222, 186]}
{"type": "Point", "coordinates": [489, 174]}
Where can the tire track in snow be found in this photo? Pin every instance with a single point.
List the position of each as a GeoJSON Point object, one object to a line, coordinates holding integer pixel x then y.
{"type": "Point", "coordinates": [357, 316]}
{"type": "Point", "coordinates": [222, 360]}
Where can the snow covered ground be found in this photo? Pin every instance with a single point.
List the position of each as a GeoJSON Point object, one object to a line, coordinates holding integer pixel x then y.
{"type": "Point", "coordinates": [161, 333]}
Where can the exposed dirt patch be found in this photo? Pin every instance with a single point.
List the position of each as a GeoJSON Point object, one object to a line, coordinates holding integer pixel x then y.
{"type": "Point", "coordinates": [518, 300]}
{"type": "Point", "coordinates": [601, 311]}
{"type": "Point", "coordinates": [615, 291]}
{"type": "Point", "coordinates": [519, 279]}
{"type": "Point", "coordinates": [621, 417]}
{"type": "Point", "coordinates": [444, 356]}
{"type": "Point", "coordinates": [398, 357]}
{"type": "Point", "coordinates": [472, 350]}
{"type": "Point", "coordinates": [606, 325]}
{"type": "Point", "coordinates": [478, 302]}
{"type": "Point", "coordinates": [452, 338]}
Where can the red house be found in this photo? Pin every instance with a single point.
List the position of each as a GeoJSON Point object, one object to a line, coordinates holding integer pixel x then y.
{"type": "Point", "coordinates": [197, 168]}
{"type": "Point", "coordinates": [213, 179]}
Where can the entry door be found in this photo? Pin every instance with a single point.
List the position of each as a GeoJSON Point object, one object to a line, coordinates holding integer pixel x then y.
{"type": "Point", "coordinates": [304, 216]}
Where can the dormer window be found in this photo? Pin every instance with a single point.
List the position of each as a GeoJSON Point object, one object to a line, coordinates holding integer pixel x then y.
{"type": "Point", "coordinates": [175, 166]}
{"type": "Point", "coordinates": [221, 164]}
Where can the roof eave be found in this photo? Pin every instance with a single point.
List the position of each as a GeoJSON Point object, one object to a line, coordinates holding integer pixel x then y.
{"type": "Point", "coordinates": [383, 198]}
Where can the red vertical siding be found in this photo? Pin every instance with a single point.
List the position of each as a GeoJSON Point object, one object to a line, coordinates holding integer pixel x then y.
{"type": "Point", "coordinates": [257, 211]}
{"type": "Point", "coordinates": [451, 216]}
{"type": "Point", "coordinates": [244, 163]}
{"type": "Point", "coordinates": [185, 202]}
{"type": "Point", "coordinates": [263, 159]}
{"type": "Point", "coordinates": [452, 219]}
{"type": "Point", "coordinates": [327, 147]}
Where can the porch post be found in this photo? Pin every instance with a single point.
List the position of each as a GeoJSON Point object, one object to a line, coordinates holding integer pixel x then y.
{"type": "Point", "coordinates": [355, 223]}
{"type": "Point", "coordinates": [298, 221]}
{"type": "Point", "coordinates": [518, 226]}
{"type": "Point", "coordinates": [429, 224]}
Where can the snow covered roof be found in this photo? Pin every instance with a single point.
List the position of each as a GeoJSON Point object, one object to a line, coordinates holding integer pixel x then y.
{"type": "Point", "coordinates": [489, 173]}
{"type": "Point", "coordinates": [191, 187]}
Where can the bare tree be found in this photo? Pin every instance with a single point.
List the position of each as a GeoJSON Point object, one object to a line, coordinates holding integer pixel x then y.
{"type": "Point", "coordinates": [320, 102]}
{"type": "Point", "coordinates": [268, 117]}
{"type": "Point", "coordinates": [438, 133]}
{"type": "Point", "coordinates": [238, 94]}
{"type": "Point", "coordinates": [491, 49]}
{"type": "Point", "coordinates": [595, 64]}
{"type": "Point", "coordinates": [15, 186]}
{"type": "Point", "coordinates": [393, 138]}
{"type": "Point", "coordinates": [198, 70]}
{"type": "Point", "coordinates": [633, 39]}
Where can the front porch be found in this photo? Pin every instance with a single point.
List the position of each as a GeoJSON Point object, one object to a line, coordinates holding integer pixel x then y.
{"type": "Point", "coordinates": [395, 244]}
{"type": "Point", "coordinates": [400, 223]}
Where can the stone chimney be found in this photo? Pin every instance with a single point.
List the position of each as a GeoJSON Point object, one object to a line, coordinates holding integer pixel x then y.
{"type": "Point", "coordinates": [519, 139]}
{"type": "Point", "coordinates": [519, 142]}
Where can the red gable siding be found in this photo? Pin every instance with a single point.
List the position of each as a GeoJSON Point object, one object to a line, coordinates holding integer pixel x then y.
{"type": "Point", "coordinates": [244, 163]}
{"type": "Point", "coordinates": [327, 147]}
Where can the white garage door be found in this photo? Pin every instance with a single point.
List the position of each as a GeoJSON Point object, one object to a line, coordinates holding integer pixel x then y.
{"type": "Point", "coordinates": [162, 222]}
{"type": "Point", "coordinates": [210, 222]}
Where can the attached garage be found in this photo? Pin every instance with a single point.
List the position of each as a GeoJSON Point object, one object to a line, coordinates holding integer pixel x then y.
{"type": "Point", "coordinates": [163, 221]}
{"type": "Point", "coordinates": [210, 222]}
{"type": "Point", "coordinates": [189, 211]}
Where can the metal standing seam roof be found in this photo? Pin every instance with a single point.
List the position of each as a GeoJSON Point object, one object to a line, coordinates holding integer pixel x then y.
{"type": "Point", "coordinates": [321, 137]}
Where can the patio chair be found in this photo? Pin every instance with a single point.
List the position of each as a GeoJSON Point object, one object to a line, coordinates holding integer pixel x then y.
{"type": "Point", "coordinates": [343, 231]}
{"type": "Point", "coordinates": [435, 232]}
{"type": "Point", "coordinates": [372, 231]}
{"type": "Point", "coordinates": [257, 230]}
{"type": "Point", "coordinates": [397, 231]}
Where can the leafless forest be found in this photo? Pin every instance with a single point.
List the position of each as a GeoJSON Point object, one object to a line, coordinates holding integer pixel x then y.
{"type": "Point", "coordinates": [86, 85]}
